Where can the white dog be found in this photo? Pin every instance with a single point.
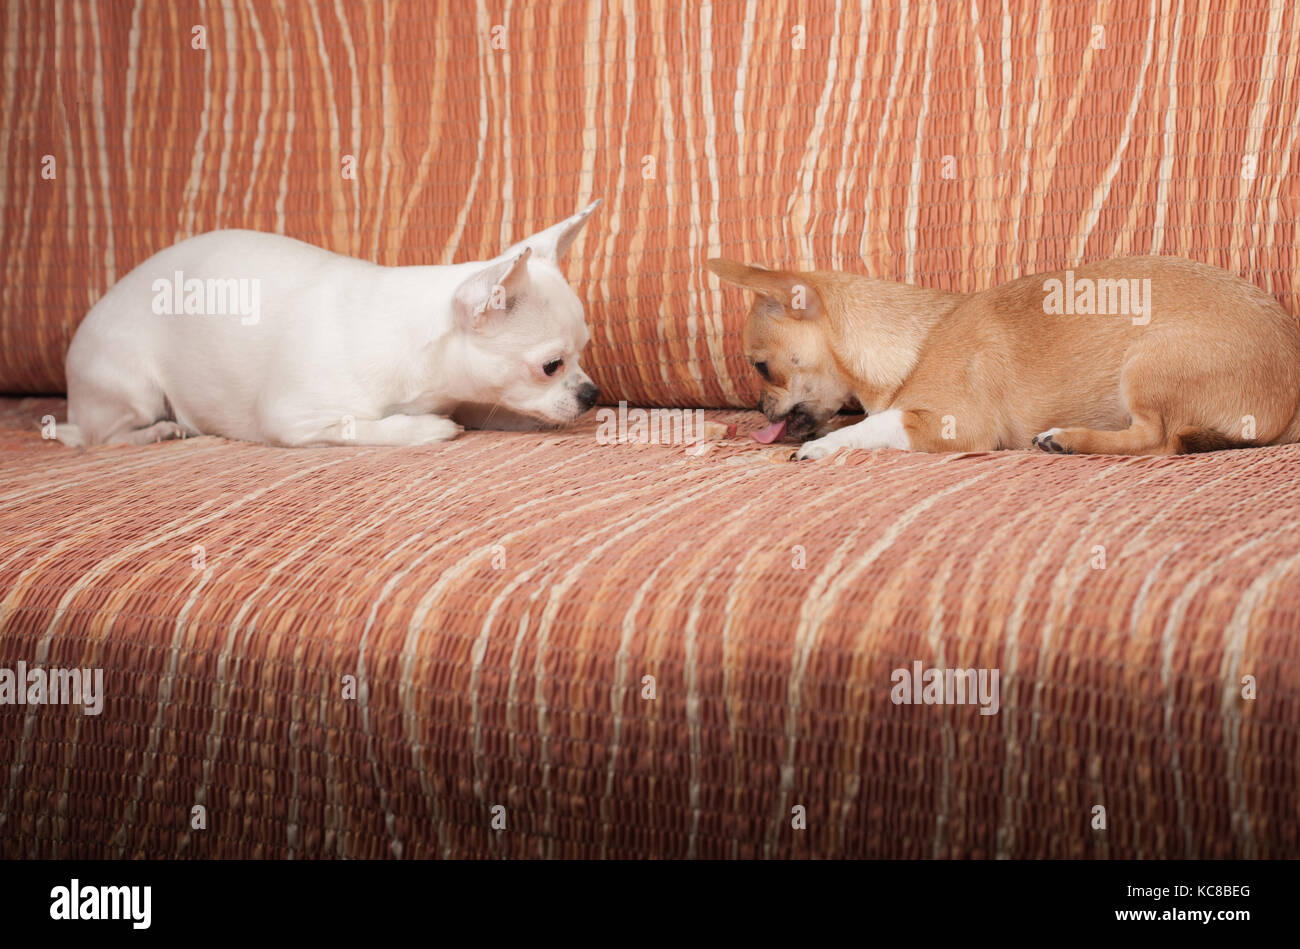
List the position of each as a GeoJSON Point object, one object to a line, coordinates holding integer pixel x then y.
{"type": "Point", "coordinates": [267, 339]}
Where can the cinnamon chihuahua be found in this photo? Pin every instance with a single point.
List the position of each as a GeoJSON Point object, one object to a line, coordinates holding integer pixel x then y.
{"type": "Point", "coordinates": [1130, 356]}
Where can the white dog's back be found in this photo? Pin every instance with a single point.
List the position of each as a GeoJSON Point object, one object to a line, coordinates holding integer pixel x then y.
{"type": "Point", "coordinates": [127, 359]}
{"type": "Point", "coordinates": [266, 338]}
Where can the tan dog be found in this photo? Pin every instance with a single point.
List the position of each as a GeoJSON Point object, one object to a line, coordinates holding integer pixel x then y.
{"type": "Point", "coordinates": [1131, 356]}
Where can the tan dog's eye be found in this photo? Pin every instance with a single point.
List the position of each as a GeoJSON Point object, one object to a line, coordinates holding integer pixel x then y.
{"type": "Point", "coordinates": [762, 370]}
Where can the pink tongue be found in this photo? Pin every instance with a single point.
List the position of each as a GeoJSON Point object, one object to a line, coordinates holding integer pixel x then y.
{"type": "Point", "coordinates": [771, 433]}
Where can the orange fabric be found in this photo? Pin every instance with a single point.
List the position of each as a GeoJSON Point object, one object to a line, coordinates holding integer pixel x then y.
{"type": "Point", "coordinates": [947, 144]}
{"type": "Point", "coordinates": [501, 599]}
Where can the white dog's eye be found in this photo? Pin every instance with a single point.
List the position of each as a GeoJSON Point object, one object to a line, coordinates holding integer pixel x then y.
{"type": "Point", "coordinates": [552, 367]}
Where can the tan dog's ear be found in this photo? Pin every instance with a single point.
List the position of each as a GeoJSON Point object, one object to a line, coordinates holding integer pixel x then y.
{"type": "Point", "coordinates": [791, 290]}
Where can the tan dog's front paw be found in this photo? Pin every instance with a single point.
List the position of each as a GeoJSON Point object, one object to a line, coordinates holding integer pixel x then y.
{"type": "Point", "coordinates": [815, 450]}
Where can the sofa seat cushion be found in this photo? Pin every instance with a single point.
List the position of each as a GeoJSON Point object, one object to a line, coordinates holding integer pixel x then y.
{"type": "Point", "coordinates": [646, 650]}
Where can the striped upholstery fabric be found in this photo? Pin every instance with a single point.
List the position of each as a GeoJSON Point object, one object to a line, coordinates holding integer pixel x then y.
{"type": "Point", "coordinates": [501, 600]}
{"type": "Point", "coordinates": [951, 144]}
{"type": "Point", "coordinates": [640, 650]}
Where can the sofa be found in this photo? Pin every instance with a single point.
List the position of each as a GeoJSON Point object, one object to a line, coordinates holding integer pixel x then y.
{"type": "Point", "coordinates": [558, 645]}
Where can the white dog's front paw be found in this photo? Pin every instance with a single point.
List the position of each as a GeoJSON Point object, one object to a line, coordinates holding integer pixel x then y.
{"type": "Point", "coordinates": [428, 429]}
{"type": "Point", "coordinates": [394, 430]}
{"type": "Point", "coordinates": [817, 449]}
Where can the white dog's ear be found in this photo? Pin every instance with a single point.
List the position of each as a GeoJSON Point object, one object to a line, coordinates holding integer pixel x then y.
{"type": "Point", "coordinates": [553, 243]}
{"type": "Point", "coordinates": [492, 290]}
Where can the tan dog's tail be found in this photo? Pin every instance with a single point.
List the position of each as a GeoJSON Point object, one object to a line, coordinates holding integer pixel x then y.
{"type": "Point", "coordinates": [1192, 439]}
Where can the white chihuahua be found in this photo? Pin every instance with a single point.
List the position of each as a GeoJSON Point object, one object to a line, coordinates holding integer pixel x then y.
{"type": "Point", "coordinates": [267, 339]}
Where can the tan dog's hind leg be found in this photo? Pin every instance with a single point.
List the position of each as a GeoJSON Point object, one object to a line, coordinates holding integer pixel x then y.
{"type": "Point", "coordinates": [1190, 409]}
{"type": "Point", "coordinates": [1146, 436]}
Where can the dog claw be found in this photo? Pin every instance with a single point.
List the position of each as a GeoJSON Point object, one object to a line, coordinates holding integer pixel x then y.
{"type": "Point", "coordinates": [1046, 441]}
{"type": "Point", "coordinates": [814, 450]}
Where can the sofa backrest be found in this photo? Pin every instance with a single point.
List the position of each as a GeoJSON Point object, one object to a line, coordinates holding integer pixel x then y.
{"type": "Point", "coordinates": [951, 144]}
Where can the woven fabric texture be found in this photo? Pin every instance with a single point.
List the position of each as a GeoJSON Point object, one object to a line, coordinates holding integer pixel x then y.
{"type": "Point", "coordinates": [500, 601]}
{"type": "Point", "coordinates": [954, 145]}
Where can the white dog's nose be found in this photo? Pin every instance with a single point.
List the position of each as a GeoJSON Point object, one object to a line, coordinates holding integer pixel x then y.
{"type": "Point", "coordinates": [587, 394]}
